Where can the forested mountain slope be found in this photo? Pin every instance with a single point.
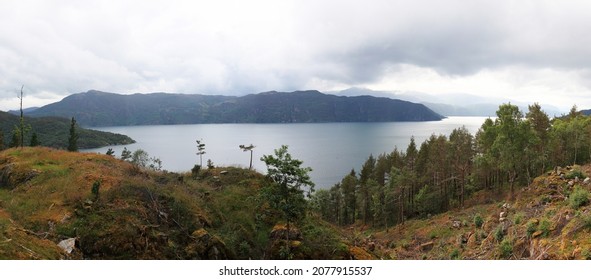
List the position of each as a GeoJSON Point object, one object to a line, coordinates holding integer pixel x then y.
{"type": "Point", "coordinates": [94, 108]}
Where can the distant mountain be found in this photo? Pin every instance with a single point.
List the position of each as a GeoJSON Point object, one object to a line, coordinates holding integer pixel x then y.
{"type": "Point", "coordinates": [25, 110]}
{"type": "Point", "coordinates": [453, 104]}
{"type": "Point", "coordinates": [586, 112]}
{"type": "Point", "coordinates": [54, 132]}
{"type": "Point", "coordinates": [94, 108]}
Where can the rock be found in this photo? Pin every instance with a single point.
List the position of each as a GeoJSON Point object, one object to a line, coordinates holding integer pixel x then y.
{"type": "Point", "coordinates": [456, 224]}
{"type": "Point", "coordinates": [576, 179]}
{"type": "Point", "coordinates": [223, 172]}
{"type": "Point", "coordinates": [503, 215]}
{"type": "Point", "coordinates": [586, 181]}
{"type": "Point", "coordinates": [506, 206]}
{"type": "Point", "coordinates": [502, 219]}
{"type": "Point", "coordinates": [68, 245]}
{"type": "Point", "coordinates": [571, 183]}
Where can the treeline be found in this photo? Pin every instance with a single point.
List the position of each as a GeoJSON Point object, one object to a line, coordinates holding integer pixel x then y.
{"type": "Point", "coordinates": [53, 132]}
{"type": "Point", "coordinates": [443, 171]}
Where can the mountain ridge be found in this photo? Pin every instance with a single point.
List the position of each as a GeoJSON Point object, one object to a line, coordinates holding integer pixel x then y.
{"type": "Point", "coordinates": [96, 108]}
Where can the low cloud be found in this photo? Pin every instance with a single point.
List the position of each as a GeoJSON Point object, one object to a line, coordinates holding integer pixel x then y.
{"type": "Point", "coordinates": [234, 47]}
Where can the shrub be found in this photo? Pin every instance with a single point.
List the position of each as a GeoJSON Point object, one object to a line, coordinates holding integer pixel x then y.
{"type": "Point", "coordinates": [506, 249]}
{"type": "Point", "coordinates": [578, 197]}
{"type": "Point", "coordinates": [586, 219]}
{"type": "Point", "coordinates": [545, 227]}
{"type": "Point", "coordinates": [95, 189]}
{"type": "Point", "coordinates": [499, 233]}
{"type": "Point", "coordinates": [478, 221]}
{"type": "Point", "coordinates": [531, 228]}
{"type": "Point", "coordinates": [518, 218]}
{"type": "Point", "coordinates": [455, 254]}
{"type": "Point", "coordinates": [575, 173]}
{"type": "Point", "coordinates": [195, 170]}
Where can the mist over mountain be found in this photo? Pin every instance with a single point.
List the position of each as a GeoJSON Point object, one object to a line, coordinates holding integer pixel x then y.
{"type": "Point", "coordinates": [454, 104]}
{"type": "Point", "coordinates": [95, 108]}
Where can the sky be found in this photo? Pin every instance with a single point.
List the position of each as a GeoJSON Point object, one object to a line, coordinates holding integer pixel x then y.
{"type": "Point", "coordinates": [529, 51]}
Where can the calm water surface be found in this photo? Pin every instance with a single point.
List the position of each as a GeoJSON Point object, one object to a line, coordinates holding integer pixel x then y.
{"type": "Point", "coordinates": [331, 149]}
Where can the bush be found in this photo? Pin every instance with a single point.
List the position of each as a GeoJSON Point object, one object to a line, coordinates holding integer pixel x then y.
{"type": "Point", "coordinates": [195, 170]}
{"type": "Point", "coordinates": [455, 254]}
{"type": "Point", "coordinates": [95, 189]}
{"type": "Point", "coordinates": [499, 233]}
{"type": "Point", "coordinates": [478, 221]}
{"type": "Point", "coordinates": [575, 173]}
{"type": "Point", "coordinates": [531, 228]}
{"type": "Point", "coordinates": [506, 249]}
{"type": "Point", "coordinates": [578, 197]}
{"type": "Point", "coordinates": [586, 219]}
{"type": "Point", "coordinates": [518, 218]}
{"type": "Point", "coordinates": [545, 227]}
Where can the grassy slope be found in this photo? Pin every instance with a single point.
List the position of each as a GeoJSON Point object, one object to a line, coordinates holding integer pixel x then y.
{"type": "Point", "coordinates": [46, 196]}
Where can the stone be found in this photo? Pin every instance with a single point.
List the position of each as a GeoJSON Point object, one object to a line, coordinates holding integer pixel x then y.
{"type": "Point", "coordinates": [503, 215]}
{"type": "Point", "coordinates": [456, 224]}
{"type": "Point", "coordinates": [587, 180]}
{"type": "Point", "coordinates": [571, 183]}
{"type": "Point", "coordinates": [223, 172]}
{"type": "Point", "coordinates": [67, 245]}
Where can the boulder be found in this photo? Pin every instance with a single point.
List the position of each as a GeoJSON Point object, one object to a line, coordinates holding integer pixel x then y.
{"type": "Point", "coordinates": [67, 245]}
{"type": "Point", "coordinates": [587, 181]}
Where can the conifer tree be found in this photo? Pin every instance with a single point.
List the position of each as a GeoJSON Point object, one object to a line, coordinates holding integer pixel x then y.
{"type": "Point", "coordinates": [34, 140]}
{"type": "Point", "coordinates": [73, 139]}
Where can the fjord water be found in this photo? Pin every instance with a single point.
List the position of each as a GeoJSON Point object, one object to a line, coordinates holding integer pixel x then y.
{"type": "Point", "coordinates": [331, 149]}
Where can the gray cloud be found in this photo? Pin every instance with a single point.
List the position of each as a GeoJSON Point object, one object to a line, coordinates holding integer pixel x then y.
{"type": "Point", "coordinates": [234, 47]}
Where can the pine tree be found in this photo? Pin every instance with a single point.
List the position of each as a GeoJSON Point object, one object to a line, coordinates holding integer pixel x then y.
{"type": "Point", "coordinates": [125, 154]}
{"type": "Point", "coordinates": [73, 139]}
{"type": "Point", "coordinates": [34, 140]}
{"type": "Point", "coordinates": [200, 151]}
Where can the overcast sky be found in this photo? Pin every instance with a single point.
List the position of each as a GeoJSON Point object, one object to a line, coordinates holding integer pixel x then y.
{"type": "Point", "coordinates": [532, 51]}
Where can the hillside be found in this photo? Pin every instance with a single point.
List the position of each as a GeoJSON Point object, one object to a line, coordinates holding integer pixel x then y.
{"type": "Point", "coordinates": [111, 209]}
{"type": "Point", "coordinates": [46, 197]}
{"type": "Point", "coordinates": [548, 219]}
{"type": "Point", "coordinates": [54, 132]}
{"type": "Point", "coordinates": [94, 108]}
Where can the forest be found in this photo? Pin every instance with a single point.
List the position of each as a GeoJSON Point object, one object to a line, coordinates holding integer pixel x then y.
{"type": "Point", "coordinates": [441, 173]}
